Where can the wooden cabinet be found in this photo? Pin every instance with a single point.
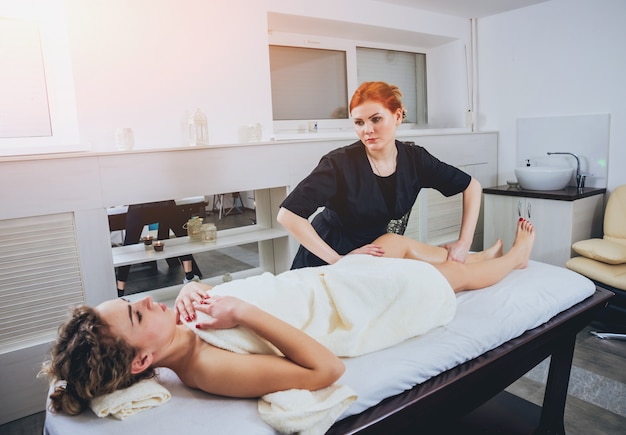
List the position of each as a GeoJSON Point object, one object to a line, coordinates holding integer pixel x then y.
{"type": "Point", "coordinates": [560, 219]}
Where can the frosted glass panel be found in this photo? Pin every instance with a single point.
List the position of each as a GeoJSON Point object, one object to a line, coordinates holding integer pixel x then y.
{"type": "Point", "coordinates": [308, 83]}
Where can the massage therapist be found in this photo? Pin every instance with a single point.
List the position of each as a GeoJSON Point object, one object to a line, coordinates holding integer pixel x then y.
{"type": "Point", "coordinates": [365, 185]}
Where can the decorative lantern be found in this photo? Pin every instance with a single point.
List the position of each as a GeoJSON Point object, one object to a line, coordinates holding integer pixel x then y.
{"type": "Point", "coordinates": [198, 129]}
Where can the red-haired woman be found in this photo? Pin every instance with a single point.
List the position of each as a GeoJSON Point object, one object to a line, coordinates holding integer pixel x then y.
{"type": "Point", "coordinates": [365, 185]}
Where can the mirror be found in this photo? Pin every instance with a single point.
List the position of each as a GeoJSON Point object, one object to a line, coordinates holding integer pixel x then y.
{"type": "Point", "coordinates": [137, 226]}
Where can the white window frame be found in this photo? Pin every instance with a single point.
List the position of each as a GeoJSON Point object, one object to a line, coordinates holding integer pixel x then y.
{"type": "Point", "coordinates": [50, 15]}
{"type": "Point", "coordinates": [332, 126]}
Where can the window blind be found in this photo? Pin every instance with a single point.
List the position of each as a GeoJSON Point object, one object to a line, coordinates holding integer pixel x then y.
{"type": "Point", "coordinates": [40, 278]}
{"type": "Point", "coordinates": [403, 69]}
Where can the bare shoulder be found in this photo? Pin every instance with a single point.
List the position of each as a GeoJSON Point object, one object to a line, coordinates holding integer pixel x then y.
{"type": "Point", "coordinates": [202, 365]}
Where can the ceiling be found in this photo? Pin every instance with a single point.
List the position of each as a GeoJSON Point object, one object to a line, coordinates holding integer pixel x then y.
{"type": "Point", "coordinates": [466, 8]}
{"type": "Point", "coordinates": [340, 29]}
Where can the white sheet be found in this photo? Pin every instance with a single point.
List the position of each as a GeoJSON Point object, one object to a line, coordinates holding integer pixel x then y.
{"type": "Point", "coordinates": [484, 320]}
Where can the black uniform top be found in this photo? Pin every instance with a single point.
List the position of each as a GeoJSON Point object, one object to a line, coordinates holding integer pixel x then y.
{"type": "Point", "coordinates": [355, 212]}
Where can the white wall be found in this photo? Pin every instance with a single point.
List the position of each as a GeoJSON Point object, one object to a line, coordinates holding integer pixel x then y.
{"type": "Point", "coordinates": [146, 64]}
{"type": "Point", "coordinates": [562, 57]}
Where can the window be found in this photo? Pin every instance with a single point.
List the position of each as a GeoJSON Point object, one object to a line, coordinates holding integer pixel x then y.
{"type": "Point", "coordinates": [316, 83]}
{"type": "Point", "coordinates": [403, 69]}
{"type": "Point", "coordinates": [308, 83]}
{"type": "Point", "coordinates": [38, 105]}
{"type": "Point", "coordinates": [24, 106]}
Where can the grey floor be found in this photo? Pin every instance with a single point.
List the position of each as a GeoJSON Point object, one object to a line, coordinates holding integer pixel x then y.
{"type": "Point", "coordinates": [596, 401]}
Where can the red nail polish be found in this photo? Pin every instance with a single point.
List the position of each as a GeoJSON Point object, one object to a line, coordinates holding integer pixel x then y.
{"type": "Point", "coordinates": [197, 326]}
{"type": "Point", "coordinates": [521, 219]}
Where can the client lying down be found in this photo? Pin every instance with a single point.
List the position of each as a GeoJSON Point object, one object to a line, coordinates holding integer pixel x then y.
{"type": "Point", "coordinates": [359, 304]}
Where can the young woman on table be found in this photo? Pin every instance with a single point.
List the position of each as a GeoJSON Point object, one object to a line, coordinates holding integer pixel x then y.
{"type": "Point", "coordinates": [365, 185]}
{"type": "Point", "coordinates": [116, 344]}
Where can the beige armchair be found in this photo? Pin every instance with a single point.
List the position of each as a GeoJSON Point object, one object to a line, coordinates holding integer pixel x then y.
{"type": "Point", "coordinates": [604, 260]}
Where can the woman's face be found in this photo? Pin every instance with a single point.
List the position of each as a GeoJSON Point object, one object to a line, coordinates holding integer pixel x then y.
{"type": "Point", "coordinates": [144, 325]}
{"type": "Point", "coordinates": [375, 124]}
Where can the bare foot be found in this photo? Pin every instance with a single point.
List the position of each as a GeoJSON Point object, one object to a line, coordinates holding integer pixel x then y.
{"type": "Point", "coordinates": [523, 244]}
{"type": "Point", "coordinates": [494, 251]}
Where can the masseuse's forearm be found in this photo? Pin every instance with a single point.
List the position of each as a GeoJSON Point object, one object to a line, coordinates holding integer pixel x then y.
{"type": "Point", "coordinates": [472, 197]}
{"type": "Point", "coordinates": [325, 368]}
{"type": "Point", "coordinates": [304, 233]}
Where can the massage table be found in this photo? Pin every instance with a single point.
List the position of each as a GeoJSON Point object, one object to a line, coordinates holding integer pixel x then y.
{"type": "Point", "coordinates": [430, 383]}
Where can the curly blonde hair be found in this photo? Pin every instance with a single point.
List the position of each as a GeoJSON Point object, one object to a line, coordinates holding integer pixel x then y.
{"type": "Point", "coordinates": [87, 361]}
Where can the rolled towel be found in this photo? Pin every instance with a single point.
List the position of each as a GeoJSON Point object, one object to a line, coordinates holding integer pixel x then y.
{"type": "Point", "coordinates": [123, 403]}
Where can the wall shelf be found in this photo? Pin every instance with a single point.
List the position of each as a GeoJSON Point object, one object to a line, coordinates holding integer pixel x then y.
{"type": "Point", "coordinates": [175, 247]}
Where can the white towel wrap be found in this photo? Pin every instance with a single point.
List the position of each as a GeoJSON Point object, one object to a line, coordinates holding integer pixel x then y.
{"type": "Point", "coordinates": [356, 306]}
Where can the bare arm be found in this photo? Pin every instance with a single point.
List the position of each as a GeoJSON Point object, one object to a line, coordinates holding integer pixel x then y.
{"type": "Point", "coordinates": [307, 363]}
{"type": "Point", "coordinates": [304, 233]}
{"type": "Point", "coordinates": [472, 197]}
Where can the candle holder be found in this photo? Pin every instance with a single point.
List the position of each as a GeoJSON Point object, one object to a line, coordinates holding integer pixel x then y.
{"type": "Point", "coordinates": [198, 129]}
{"type": "Point", "coordinates": [209, 233]}
{"type": "Point", "coordinates": [148, 240]}
{"type": "Point", "coordinates": [158, 246]}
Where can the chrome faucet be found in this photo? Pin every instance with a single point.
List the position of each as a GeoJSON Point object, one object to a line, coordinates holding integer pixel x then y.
{"type": "Point", "coordinates": [580, 178]}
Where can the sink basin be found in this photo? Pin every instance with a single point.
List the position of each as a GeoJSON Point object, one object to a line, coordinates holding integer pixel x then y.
{"type": "Point", "coordinates": [543, 177]}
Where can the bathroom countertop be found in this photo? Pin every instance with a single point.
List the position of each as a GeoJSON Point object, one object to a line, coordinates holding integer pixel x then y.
{"type": "Point", "coordinates": [567, 194]}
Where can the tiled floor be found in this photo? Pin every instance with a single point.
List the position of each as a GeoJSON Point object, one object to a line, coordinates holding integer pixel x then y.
{"type": "Point", "coordinates": [597, 394]}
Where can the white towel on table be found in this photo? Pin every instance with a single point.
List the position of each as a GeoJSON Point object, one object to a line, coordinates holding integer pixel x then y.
{"type": "Point", "coordinates": [358, 305]}
{"type": "Point", "coordinates": [305, 412]}
{"type": "Point", "coordinates": [121, 404]}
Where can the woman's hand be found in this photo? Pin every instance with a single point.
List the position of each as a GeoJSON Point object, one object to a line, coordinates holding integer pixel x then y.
{"type": "Point", "coordinates": [193, 292]}
{"type": "Point", "coordinates": [224, 311]}
{"type": "Point", "coordinates": [457, 251]}
{"type": "Point", "coordinates": [370, 249]}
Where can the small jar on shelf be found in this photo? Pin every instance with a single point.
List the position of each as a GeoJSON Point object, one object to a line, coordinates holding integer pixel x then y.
{"type": "Point", "coordinates": [209, 233]}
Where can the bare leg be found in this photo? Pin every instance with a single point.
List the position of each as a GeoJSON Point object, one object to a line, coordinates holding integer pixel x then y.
{"type": "Point", "coordinates": [398, 246]}
{"type": "Point", "coordinates": [485, 273]}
